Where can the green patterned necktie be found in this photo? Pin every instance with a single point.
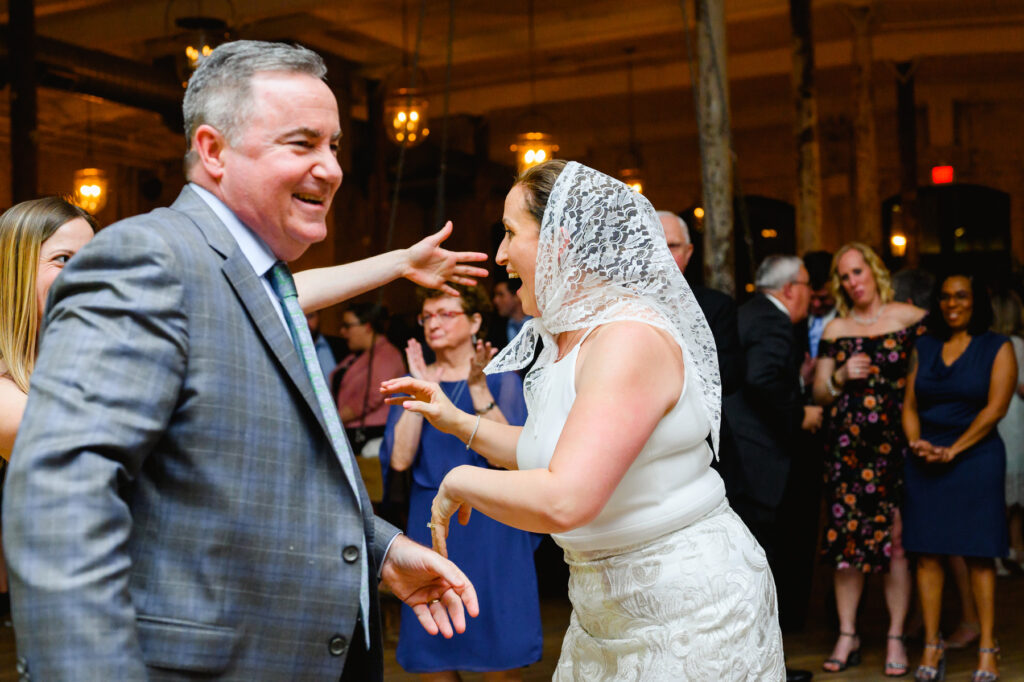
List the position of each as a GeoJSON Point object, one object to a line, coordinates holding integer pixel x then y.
{"type": "Point", "coordinates": [284, 286]}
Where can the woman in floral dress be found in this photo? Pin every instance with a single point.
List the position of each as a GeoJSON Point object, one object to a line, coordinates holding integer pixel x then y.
{"type": "Point", "coordinates": [860, 379]}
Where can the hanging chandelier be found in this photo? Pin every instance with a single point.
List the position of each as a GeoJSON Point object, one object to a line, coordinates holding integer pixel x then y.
{"type": "Point", "coordinates": [90, 189]}
{"type": "Point", "coordinates": [532, 145]}
{"type": "Point", "coordinates": [630, 164]}
{"type": "Point", "coordinates": [405, 107]}
{"type": "Point", "coordinates": [89, 183]}
{"type": "Point", "coordinates": [197, 36]}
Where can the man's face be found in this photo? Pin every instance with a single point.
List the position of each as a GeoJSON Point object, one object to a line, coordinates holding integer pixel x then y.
{"type": "Point", "coordinates": [681, 249]}
{"type": "Point", "coordinates": [505, 302]}
{"type": "Point", "coordinates": [800, 295]}
{"type": "Point", "coordinates": [281, 175]}
{"type": "Point", "coordinates": [822, 301]}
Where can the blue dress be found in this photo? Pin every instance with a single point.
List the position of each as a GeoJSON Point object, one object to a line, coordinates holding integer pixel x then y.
{"type": "Point", "coordinates": [496, 558]}
{"type": "Point", "coordinates": [956, 508]}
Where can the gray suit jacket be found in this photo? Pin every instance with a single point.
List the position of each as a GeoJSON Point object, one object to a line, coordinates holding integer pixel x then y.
{"type": "Point", "coordinates": [174, 508]}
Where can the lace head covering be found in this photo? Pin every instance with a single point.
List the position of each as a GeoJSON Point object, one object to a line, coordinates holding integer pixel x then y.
{"type": "Point", "coordinates": [602, 257]}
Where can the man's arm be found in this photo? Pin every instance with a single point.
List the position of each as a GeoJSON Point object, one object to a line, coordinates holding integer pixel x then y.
{"type": "Point", "coordinates": [772, 384]}
{"type": "Point", "coordinates": [108, 377]}
{"type": "Point", "coordinates": [424, 263]}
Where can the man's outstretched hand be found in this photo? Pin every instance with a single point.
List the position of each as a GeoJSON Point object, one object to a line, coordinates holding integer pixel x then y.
{"type": "Point", "coordinates": [430, 265]}
{"type": "Point", "coordinates": [438, 592]}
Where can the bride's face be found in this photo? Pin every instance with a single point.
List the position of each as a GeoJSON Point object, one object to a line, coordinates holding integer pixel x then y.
{"type": "Point", "coordinates": [518, 250]}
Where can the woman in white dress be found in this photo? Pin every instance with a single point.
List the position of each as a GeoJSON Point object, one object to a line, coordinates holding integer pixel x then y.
{"type": "Point", "coordinates": [614, 459]}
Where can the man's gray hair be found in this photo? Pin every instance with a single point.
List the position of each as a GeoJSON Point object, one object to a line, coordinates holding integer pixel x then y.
{"type": "Point", "coordinates": [682, 224]}
{"type": "Point", "coordinates": [777, 271]}
{"type": "Point", "coordinates": [220, 91]}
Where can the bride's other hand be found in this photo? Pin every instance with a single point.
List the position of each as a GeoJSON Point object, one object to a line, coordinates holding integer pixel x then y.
{"type": "Point", "coordinates": [424, 398]}
{"type": "Point", "coordinates": [445, 506]}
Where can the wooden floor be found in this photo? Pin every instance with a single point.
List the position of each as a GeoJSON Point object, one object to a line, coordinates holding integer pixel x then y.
{"type": "Point", "coordinates": [805, 650]}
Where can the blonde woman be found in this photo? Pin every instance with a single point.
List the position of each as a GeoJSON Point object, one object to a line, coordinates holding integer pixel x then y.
{"type": "Point", "coordinates": [859, 378]}
{"type": "Point", "coordinates": [36, 240]}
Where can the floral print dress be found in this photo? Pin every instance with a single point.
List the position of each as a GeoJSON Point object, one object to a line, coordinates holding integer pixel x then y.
{"type": "Point", "coordinates": [865, 450]}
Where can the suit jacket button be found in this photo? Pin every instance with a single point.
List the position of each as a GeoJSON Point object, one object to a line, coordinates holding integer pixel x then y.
{"type": "Point", "coordinates": [337, 645]}
{"type": "Point", "coordinates": [350, 554]}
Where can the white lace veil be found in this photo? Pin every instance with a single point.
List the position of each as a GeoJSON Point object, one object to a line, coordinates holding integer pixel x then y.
{"type": "Point", "coordinates": [602, 257]}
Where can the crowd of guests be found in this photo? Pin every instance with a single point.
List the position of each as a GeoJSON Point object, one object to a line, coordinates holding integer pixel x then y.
{"type": "Point", "coordinates": [894, 401]}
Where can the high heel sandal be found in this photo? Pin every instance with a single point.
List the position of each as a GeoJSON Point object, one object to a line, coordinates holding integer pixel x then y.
{"type": "Point", "coordinates": [926, 673]}
{"type": "Point", "coordinates": [985, 675]}
{"type": "Point", "coordinates": [892, 668]}
{"type": "Point", "coordinates": [852, 658]}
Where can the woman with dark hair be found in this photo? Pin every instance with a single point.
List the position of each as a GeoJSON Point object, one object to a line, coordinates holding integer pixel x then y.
{"type": "Point", "coordinates": [961, 379]}
{"type": "Point", "coordinates": [372, 360]}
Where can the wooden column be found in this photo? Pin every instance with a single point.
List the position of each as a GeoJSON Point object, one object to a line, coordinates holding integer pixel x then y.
{"type": "Point", "coordinates": [21, 59]}
{"type": "Point", "coordinates": [808, 193]}
{"type": "Point", "coordinates": [907, 130]}
{"type": "Point", "coordinates": [867, 211]}
{"type": "Point", "coordinates": [715, 146]}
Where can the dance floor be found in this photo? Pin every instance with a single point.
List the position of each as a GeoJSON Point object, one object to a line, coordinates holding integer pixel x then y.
{"type": "Point", "coordinates": [805, 650]}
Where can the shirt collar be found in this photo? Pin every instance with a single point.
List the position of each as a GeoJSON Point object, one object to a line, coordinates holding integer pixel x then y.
{"type": "Point", "coordinates": [255, 250]}
{"type": "Point", "coordinates": [777, 303]}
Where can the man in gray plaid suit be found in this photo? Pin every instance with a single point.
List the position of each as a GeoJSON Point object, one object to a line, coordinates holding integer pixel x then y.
{"type": "Point", "coordinates": [179, 505]}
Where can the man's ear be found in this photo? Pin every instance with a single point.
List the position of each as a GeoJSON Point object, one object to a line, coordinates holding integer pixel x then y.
{"type": "Point", "coordinates": [210, 144]}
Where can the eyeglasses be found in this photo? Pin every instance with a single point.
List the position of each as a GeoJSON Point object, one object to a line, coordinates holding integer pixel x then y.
{"type": "Point", "coordinates": [806, 284]}
{"type": "Point", "coordinates": [443, 316]}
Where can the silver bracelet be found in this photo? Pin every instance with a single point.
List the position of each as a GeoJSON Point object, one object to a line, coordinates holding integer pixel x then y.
{"type": "Point", "coordinates": [470, 441]}
{"type": "Point", "coordinates": [832, 388]}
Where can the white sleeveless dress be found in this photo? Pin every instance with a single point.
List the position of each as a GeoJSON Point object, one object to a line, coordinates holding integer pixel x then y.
{"type": "Point", "coordinates": [666, 583]}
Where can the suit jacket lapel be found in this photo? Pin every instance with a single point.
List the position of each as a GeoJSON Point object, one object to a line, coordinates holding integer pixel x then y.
{"type": "Point", "coordinates": [251, 292]}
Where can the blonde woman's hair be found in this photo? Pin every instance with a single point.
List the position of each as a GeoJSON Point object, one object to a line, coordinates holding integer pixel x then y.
{"type": "Point", "coordinates": [23, 229]}
{"type": "Point", "coordinates": [883, 282]}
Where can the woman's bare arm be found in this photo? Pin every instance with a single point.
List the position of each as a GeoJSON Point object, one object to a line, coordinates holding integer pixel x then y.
{"type": "Point", "coordinates": [629, 378]}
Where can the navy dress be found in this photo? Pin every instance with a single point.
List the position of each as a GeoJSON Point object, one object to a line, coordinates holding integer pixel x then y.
{"type": "Point", "coordinates": [958, 507]}
{"type": "Point", "coordinates": [496, 558]}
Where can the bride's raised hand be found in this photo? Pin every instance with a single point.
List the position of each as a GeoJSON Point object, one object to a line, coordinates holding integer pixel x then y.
{"type": "Point", "coordinates": [425, 398]}
{"type": "Point", "coordinates": [445, 506]}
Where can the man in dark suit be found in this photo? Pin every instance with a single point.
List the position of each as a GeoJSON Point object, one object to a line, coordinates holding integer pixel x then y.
{"type": "Point", "coordinates": [768, 415]}
{"type": "Point", "coordinates": [720, 310]}
{"type": "Point", "coordinates": [182, 502]}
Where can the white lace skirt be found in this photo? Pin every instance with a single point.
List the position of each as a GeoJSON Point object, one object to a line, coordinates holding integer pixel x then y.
{"type": "Point", "coordinates": [696, 604]}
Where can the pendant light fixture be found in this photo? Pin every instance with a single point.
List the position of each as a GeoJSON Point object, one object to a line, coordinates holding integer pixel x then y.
{"type": "Point", "coordinates": [630, 163]}
{"type": "Point", "coordinates": [90, 183]}
{"type": "Point", "coordinates": [199, 36]}
{"type": "Point", "coordinates": [532, 146]}
{"type": "Point", "coordinates": [405, 108]}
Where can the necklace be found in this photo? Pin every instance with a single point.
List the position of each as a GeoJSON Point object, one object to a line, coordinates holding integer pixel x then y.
{"type": "Point", "coordinates": [868, 320]}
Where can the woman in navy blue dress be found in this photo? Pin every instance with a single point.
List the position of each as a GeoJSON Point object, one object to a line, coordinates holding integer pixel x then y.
{"type": "Point", "coordinates": [961, 380]}
{"type": "Point", "coordinates": [498, 559]}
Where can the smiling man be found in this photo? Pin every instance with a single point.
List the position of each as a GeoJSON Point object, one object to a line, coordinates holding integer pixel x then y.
{"type": "Point", "coordinates": [184, 503]}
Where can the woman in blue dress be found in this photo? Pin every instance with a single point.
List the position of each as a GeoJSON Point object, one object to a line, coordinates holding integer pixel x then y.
{"type": "Point", "coordinates": [960, 383]}
{"type": "Point", "coordinates": [498, 559]}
